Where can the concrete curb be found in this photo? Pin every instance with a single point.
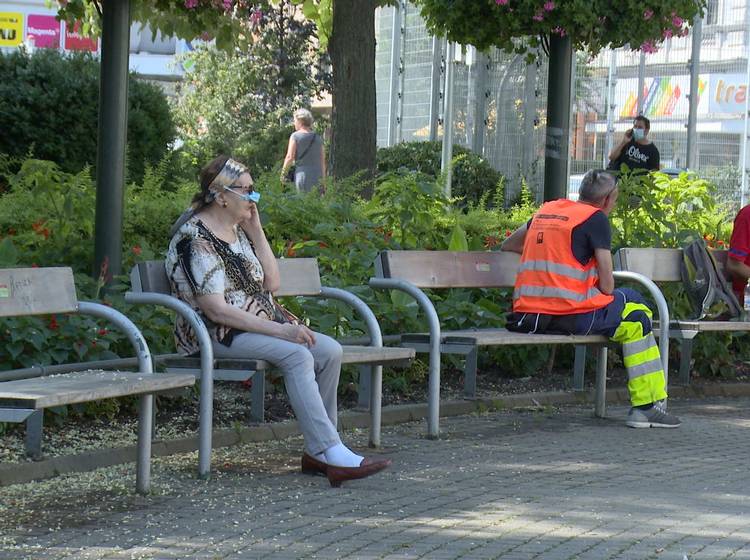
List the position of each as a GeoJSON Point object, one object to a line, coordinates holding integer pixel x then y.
{"type": "Point", "coordinates": [18, 473]}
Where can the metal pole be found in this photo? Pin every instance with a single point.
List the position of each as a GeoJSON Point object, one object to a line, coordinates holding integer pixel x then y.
{"type": "Point", "coordinates": [558, 118]}
{"type": "Point", "coordinates": [393, 77]}
{"type": "Point", "coordinates": [112, 139]}
{"type": "Point", "coordinates": [746, 129]}
{"type": "Point", "coordinates": [446, 164]}
{"type": "Point", "coordinates": [479, 105]}
{"type": "Point", "coordinates": [529, 120]}
{"type": "Point", "coordinates": [695, 61]}
{"type": "Point", "coordinates": [641, 82]}
{"type": "Point", "coordinates": [611, 82]}
{"type": "Point", "coordinates": [401, 74]}
{"type": "Point", "coordinates": [435, 72]}
{"type": "Point", "coordinates": [570, 118]}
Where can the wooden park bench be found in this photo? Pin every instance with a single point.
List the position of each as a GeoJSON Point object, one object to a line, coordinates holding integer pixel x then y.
{"type": "Point", "coordinates": [663, 265]}
{"type": "Point", "coordinates": [41, 291]}
{"type": "Point", "coordinates": [415, 271]}
{"type": "Point", "coordinates": [299, 277]}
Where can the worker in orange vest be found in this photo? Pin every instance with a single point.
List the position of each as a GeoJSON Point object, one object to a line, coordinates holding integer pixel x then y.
{"type": "Point", "coordinates": [565, 285]}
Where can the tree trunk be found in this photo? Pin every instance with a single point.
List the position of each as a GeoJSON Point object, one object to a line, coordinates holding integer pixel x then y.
{"type": "Point", "coordinates": [352, 50]}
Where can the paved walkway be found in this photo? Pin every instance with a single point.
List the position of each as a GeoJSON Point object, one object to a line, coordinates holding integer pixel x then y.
{"type": "Point", "coordinates": [548, 484]}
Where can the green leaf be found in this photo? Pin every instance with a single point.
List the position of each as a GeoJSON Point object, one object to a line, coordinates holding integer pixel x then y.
{"type": "Point", "coordinates": [457, 240]}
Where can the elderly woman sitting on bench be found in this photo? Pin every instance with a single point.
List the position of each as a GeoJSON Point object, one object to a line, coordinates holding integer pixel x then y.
{"type": "Point", "coordinates": [220, 263]}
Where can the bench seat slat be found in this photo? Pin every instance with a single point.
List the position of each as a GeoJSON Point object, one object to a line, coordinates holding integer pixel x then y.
{"type": "Point", "coordinates": [706, 326]}
{"type": "Point", "coordinates": [86, 386]}
{"type": "Point", "coordinates": [352, 355]}
{"type": "Point", "coordinates": [375, 355]}
{"type": "Point", "coordinates": [502, 337]}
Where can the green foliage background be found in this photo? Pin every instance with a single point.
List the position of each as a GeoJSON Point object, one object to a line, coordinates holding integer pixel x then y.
{"type": "Point", "coordinates": [50, 104]}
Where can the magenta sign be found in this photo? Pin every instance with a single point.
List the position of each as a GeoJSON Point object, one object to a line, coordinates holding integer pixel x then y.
{"type": "Point", "coordinates": [43, 31]}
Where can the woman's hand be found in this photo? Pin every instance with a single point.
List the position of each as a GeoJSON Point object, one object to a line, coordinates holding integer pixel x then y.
{"type": "Point", "coordinates": [252, 224]}
{"type": "Point", "coordinates": [299, 334]}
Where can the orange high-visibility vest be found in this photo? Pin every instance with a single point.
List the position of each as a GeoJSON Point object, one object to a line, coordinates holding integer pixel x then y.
{"type": "Point", "coordinates": [550, 279]}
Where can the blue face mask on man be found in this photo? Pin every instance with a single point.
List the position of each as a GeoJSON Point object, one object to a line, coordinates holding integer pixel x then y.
{"type": "Point", "coordinates": [638, 133]}
{"type": "Point", "coordinates": [252, 196]}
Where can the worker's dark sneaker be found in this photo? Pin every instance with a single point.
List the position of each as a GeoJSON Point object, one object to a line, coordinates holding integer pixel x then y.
{"type": "Point", "coordinates": [654, 417]}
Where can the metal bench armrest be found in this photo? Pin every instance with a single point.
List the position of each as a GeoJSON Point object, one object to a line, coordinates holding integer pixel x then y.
{"type": "Point", "coordinates": [433, 389]}
{"type": "Point", "coordinates": [205, 416]}
{"type": "Point", "coordinates": [362, 309]}
{"type": "Point", "coordinates": [661, 305]}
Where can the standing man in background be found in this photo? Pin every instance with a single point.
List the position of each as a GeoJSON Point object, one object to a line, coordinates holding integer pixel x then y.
{"type": "Point", "coordinates": [635, 150]}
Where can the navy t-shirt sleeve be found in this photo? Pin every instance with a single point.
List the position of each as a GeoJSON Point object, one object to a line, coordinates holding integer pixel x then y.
{"type": "Point", "coordinates": [594, 233]}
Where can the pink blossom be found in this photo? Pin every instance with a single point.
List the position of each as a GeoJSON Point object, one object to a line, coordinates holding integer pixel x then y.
{"type": "Point", "coordinates": [501, 2]}
{"type": "Point", "coordinates": [549, 6]}
{"type": "Point", "coordinates": [648, 14]}
{"type": "Point", "coordinates": [559, 30]}
{"type": "Point", "coordinates": [677, 21]}
{"type": "Point", "coordinates": [539, 16]}
{"type": "Point", "coordinates": [684, 32]}
{"type": "Point", "coordinates": [648, 47]}
{"type": "Point", "coordinates": [190, 4]}
{"type": "Point", "coordinates": [228, 4]}
{"type": "Point", "coordinates": [667, 34]}
{"type": "Point", "coordinates": [255, 17]}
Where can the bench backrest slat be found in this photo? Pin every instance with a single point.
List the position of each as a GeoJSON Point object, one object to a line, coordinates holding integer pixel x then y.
{"type": "Point", "coordinates": [660, 265]}
{"type": "Point", "coordinates": [449, 269]}
{"type": "Point", "coordinates": [37, 291]}
{"type": "Point", "coordinates": [299, 277]}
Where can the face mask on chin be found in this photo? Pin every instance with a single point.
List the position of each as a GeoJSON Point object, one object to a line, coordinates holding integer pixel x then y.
{"type": "Point", "coordinates": [638, 134]}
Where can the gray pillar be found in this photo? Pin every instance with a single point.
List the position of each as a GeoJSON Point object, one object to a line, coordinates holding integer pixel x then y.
{"type": "Point", "coordinates": [611, 82]}
{"type": "Point", "coordinates": [641, 82]}
{"type": "Point", "coordinates": [113, 126]}
{"type": "Point", "coordinates": [394, 78]}
{"type": "Point", "coordinates": [478, 104]}
{"type": "Point", "coordinates": [529, 118]}
{"type": "Point", "coordinates": [435, 80]}
{"type": "Point", "coordinates": [558, 118]}
{"type": "Point", "coordinates": [446, 163]}
{"type": "Point", "coordinates": [695, 62]}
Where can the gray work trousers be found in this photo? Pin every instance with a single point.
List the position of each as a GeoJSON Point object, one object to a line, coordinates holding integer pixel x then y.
{"type": "Point", "coordinates": [311, 377]}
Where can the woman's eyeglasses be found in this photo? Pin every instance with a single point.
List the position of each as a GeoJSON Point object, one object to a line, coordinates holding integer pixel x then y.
{"type": "Point", "coordinates": [248, 193]}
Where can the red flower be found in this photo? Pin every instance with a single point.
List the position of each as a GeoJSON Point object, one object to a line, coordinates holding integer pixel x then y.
{"type": "Point", "coordinates": [137, 250]}
{"type": "Point", "coordinates": [508, 233]}
{"type": "Point", "coordinates": [53, 326]}
{"type": "Point", "coordinates": [11, 231]}
{"type": "Point", "coordinates": [34, 265]}
{"type": "Point", "coordinates": [102, 332]}
{"type": "Point", "coordinates": [323, 245]}
{"type": "Point", "coordinates": [490, 241]}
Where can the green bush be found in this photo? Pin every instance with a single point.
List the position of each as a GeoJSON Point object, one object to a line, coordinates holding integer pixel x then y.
{"type": "Point", "coordinates": [473, 178]}
{"type": "Point", "coordinates": [50, 109]}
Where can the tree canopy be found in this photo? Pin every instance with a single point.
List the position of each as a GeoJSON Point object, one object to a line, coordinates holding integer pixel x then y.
{"type": "Point", "coordinates": [520, 25]}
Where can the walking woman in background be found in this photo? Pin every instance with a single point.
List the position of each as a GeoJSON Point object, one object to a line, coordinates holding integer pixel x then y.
{"type": "Point", "coordinates": [305, 151]}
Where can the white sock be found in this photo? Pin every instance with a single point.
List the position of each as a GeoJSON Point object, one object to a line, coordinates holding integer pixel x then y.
{"type": "Point", "coordinates": [341, 456]}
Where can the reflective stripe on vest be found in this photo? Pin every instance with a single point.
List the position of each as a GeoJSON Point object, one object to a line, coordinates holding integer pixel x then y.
{"type": "Point", "coordinates": [547, 292]}
{"type": "Point", "coordinates": [562, 269]}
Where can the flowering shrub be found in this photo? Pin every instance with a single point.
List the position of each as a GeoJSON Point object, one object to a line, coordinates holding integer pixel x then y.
{"type": "Point", "coordinates": [517, 25]}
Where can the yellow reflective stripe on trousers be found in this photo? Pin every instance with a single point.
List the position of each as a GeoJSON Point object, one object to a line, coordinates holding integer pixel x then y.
{"type": "Point", "coordinates": [645, 374]}
{"type": "Point", "coordinates": [647, 389]}
{"type": "Point", "coordinates": [630, 330]}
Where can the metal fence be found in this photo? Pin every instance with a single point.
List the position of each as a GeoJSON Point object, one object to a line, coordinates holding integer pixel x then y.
{"type": "Point", "coordinates": [499, 100]}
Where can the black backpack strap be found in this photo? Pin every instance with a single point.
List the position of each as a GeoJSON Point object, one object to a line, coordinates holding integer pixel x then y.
{"type": "Point", "coordinates": [304, 153]}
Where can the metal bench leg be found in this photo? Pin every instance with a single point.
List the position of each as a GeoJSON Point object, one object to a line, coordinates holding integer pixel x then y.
{"type": "Point", "coordinates": [257, 397]}
{"type": "Point", "coordinates": [579, 367]}
{"type": "Point", "coordinates": [143, 467]}
{"type": "Point", "coordinates": [364, 386]}
{"type": "Point", "coordinates": [686, 353]}
{"type": "Point", "coordinates": [34, 425]}
{"type": "Point", "coordinates": [470, 374]}
{"type": "Point", "coordinates": [601, 383]}
{"type": "Point", "coordinates": [376, 393]}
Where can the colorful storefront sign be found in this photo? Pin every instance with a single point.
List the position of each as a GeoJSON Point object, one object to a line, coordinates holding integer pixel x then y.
{"type": "Point", "coordinates": [43, 31]}
{"type": "Point", "coordinates": [11, 29]}
{"type": "Point", "coordinates": [74, 41]}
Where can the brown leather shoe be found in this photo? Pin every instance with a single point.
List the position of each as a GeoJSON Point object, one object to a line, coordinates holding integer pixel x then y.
{"type": "Point", "coordinates": [310, 465]}
{"type": "Point", "coordinates": [368, 466]}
